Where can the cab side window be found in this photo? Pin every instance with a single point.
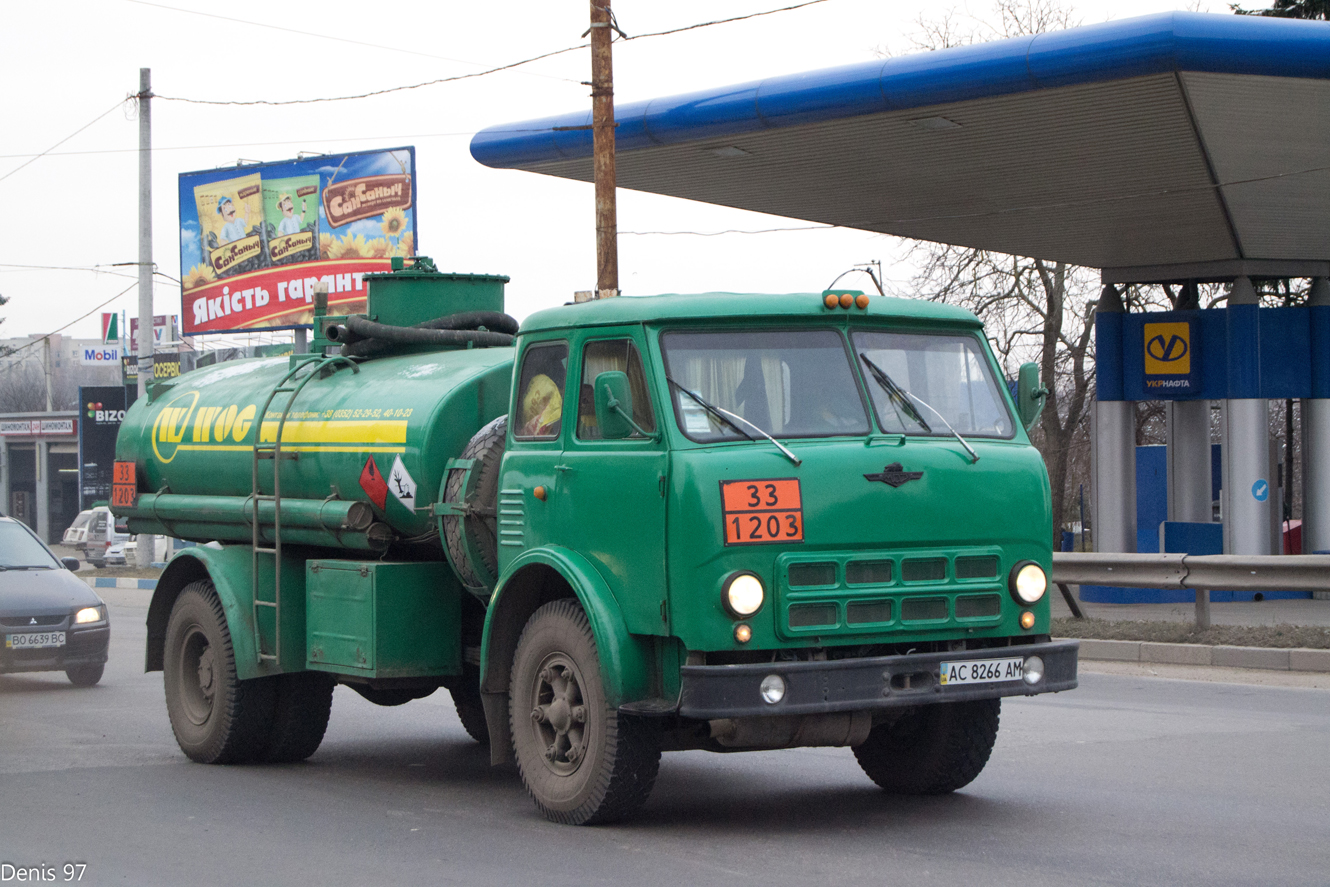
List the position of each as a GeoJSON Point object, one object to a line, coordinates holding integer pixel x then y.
{"type": "Point", "coordinates": [605, 355]}
{"type": "Point", "coordinates": [541, 391]}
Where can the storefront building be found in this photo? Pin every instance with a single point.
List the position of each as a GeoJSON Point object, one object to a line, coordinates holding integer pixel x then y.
{"type": "Point", "coordinates": [39, 470]}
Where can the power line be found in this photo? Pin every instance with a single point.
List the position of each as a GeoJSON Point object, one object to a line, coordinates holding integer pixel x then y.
{"type": "Point", "coordinates": [725, 21]}
{"type": "Point", "coordinates": [65, 139]}
{"type": "Point", "coordinates": [376, 92]}
{"type": "Point", "coordinates": [425, 135]}
{"type": "Point", "coordinates": [96, 269]}
{"type": "Point", "coordinates": [392, 89]}
{"type": "Point", "coordinates": [41, 338]}
{"type": "Point", "coordinates": [734, 231]}
{"type": "Point", "coordinates": [227, 18]}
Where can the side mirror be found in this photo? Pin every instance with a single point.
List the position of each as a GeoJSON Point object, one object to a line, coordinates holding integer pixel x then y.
{"type": "Point", "coordinates": [614, 405]}
{"type": "Point", "coordinates": [71, 564]}
{"type": "Point", "coordinates": [1030, 397]}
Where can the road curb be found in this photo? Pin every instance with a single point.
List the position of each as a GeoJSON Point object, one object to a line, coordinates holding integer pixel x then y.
{"type": "Point", "coordinates": [108, 582]}
{"type": "Point", "coordinates": [1268, 658]}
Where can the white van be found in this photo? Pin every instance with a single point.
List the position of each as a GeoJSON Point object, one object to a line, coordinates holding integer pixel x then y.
{"type": "Point", "coordinates": [78, 530]}
{"type": "Point", "coordinates": [105, 538]}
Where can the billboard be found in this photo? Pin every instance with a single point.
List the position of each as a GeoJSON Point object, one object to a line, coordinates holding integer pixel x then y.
{"type": "Point", "coordinates": [256, 240]}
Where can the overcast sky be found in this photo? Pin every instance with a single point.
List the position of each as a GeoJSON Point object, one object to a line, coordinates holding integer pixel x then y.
{"type": "Point", "coordinates": [65, 64]}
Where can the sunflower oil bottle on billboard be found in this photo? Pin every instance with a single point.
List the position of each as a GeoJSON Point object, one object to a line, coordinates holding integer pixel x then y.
{"type": "Point", "coordinates": [256, 241]}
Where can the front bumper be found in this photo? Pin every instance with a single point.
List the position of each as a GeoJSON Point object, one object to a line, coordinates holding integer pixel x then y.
{"type": "Point", "coordinates": [878, 682]}
{"type": "Point", "coordinates": [83, 646]}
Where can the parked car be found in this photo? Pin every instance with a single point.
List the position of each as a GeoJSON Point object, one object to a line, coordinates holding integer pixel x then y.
{"type": "Point", "coordinates": [120, 554]}
{"type": "Point", "coordinates": [104, 531]}
{"type": "Point", "coordinates": [77, 533]}
{"type": "Point", "coordinates": [50, 619]}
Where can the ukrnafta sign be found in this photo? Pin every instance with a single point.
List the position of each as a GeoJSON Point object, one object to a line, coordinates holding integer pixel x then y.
{"type": "Point", "coordinates": [256, 241]}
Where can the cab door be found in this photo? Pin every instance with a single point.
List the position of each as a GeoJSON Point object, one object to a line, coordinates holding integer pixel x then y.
{"type": "Point", "coordinates": [610, 494]}
{"type": "Point", "coordinates": [529, 483]}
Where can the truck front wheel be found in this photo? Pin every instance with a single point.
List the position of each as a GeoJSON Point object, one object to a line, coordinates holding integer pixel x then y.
{"type": "Point", "coordinates": [932, 749]}
{"type": "Point", "coordinates": [216, 718]}
{"type": "Point", "coordinates": [582, 762]}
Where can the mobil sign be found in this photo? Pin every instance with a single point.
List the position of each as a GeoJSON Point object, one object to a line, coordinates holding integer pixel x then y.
{"type": "Point", "coordinates": [100, 355]}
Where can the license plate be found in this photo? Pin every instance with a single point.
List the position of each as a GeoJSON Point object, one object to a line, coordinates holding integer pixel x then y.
{"type": "Point", "coordinates": [34, 640]}
{"type": "Point", "coordinates": [982, 671]}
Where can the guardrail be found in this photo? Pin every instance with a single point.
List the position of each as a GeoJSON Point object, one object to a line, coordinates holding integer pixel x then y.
{"type": "Point", "coordinates": [1201, 572]}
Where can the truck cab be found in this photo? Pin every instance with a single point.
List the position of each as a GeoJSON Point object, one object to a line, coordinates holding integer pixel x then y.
{"type": "Point", "coordinates": [791, 521]}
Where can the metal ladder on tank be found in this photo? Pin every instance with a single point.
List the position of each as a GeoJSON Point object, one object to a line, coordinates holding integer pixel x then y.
{"type": "Point", "coordinates": [274, 452]}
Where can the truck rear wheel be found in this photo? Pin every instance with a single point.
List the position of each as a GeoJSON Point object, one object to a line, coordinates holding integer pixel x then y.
{"type": "Point", "coordinates": [470, 710]}
{"type": "Point", "coordinates": [216, 718]}
{"type": "Point", "coordinates": [300, 716]}
{"type": "Point", "coordinates": [932, 749]}
{"type": "Point", "coordinates": [581, 761]}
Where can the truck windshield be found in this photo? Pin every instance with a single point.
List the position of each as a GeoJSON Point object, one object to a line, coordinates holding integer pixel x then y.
{"type": "Point", "coordinates": [947, 372]}
{"type": "Point", "coordinates": [789, 383]}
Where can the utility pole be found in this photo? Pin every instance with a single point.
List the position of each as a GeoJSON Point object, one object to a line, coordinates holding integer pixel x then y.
{"type": "Point", "coordinates": [146, 546]}
{"type": "Point", "coordinates": [602, 132]}
{"type": "Point", "coordinates": [46, 369]}
{"type": "Point", "coordinates": [145, 230]}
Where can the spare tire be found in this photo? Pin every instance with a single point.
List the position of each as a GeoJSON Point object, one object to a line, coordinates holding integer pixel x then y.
{"type": "Point", "coordinates": [479, 528]}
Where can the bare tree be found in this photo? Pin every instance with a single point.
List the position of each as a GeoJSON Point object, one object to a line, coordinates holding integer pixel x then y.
{"type": "Point", "coordinates": [22, 387]}
{"type": "Point", "coordinates": [4, 349]}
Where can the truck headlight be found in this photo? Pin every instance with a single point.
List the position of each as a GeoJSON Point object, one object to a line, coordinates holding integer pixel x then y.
{"type": "Point", "coordinates": [1027, 582]}
{"type": "Point", "coordinates": [743, 595]}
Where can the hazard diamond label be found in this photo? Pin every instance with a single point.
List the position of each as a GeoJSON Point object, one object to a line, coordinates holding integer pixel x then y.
{"type": "Point", "coordinates": [403, 485]}
{"type": "Point", "coordinates": [372, 482]}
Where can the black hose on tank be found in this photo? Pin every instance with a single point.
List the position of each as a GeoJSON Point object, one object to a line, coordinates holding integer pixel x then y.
{"type": "Point", "coordinates": [494, 321]}
{"type": "Point", "coordinates": [365, 338]}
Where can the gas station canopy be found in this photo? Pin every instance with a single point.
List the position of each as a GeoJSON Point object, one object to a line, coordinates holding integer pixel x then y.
{"type": "Point", "coordinates": [1163, 147]}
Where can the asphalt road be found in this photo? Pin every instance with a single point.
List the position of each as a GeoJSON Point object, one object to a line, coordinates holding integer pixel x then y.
{"type": "Point", "coordinates": [1131, 779]}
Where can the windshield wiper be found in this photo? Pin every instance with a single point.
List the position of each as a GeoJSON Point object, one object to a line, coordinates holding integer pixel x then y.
{"type": "Point", "coordinates": [725, 416]}
{"type": "Point", "coordinates": [895, 392]}
{"type": "Point", "coordinates": [24, 567]}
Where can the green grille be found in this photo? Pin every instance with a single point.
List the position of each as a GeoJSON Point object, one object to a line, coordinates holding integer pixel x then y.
{"type": "Point", "coordinates": [977, 567]}
{"type": "Point", "coordinates": [868, 572]}
{"type": "Point", "coordinates": [863, 612]}
{"type": "Point", "coordinates": [810, 575]}
{"type": "Point", "coordinates": [978, 606]}
{"type": "Point", "coordinates": [932, 569]}
{"type": "Point", "coordinates": [924, 609]}
{"type": "Point", "coordinates": [813, 615]}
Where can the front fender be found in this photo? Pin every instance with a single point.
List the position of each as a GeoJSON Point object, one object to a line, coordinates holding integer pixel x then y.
{"type": "Point", "coordinates": [535, 578]}
{"type": "Point", "coordinates": [625, 659]}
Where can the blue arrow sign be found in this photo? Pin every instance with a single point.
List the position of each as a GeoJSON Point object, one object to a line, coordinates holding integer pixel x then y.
{"type": "Point", "coordinates": [1260, 491]}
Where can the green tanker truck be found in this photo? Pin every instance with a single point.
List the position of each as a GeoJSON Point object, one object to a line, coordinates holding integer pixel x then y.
{"type": "Point", "coordinates": [633, 525]}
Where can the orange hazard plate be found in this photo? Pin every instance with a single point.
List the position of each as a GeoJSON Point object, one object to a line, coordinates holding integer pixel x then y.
{"type": "Point", "coordinates": [124, 485]}
{"type": "Point", "coordinates": [760, 512]}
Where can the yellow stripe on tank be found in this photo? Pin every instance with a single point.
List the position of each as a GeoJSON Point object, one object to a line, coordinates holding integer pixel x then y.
{"type": "Point", "coordinates": [287, 448]}
{"type": "Point", "coordinates": [357, 431]}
